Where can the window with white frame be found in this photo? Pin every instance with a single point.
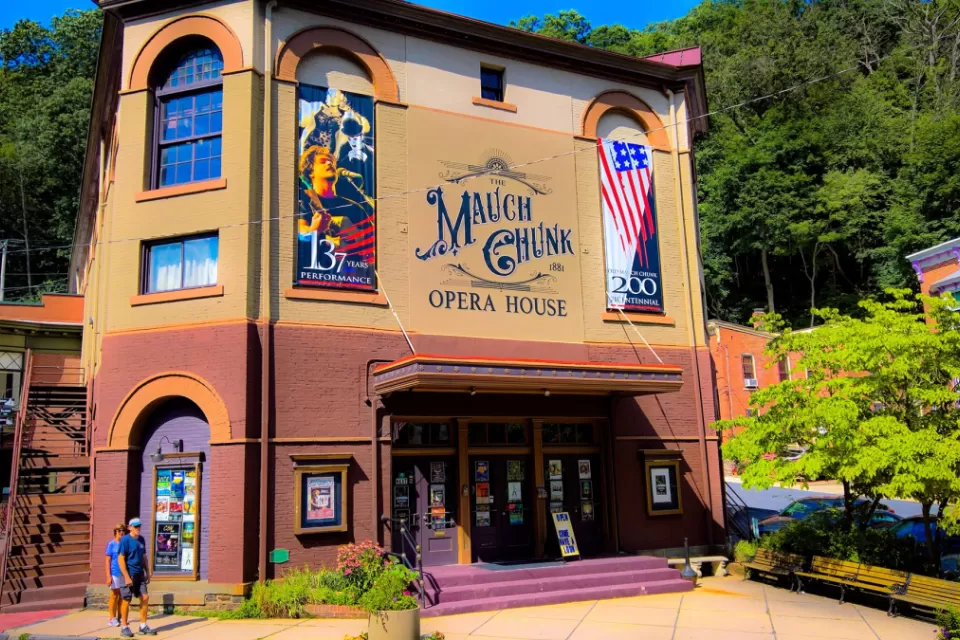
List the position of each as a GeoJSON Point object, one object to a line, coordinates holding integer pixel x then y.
{"type": "Point", "coordinates": [180, 263]}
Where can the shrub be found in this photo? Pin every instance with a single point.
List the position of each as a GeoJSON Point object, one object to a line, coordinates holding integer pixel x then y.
{"type": "Point", "coordinates": [390, 591]}
{"type": "Point", "coordinates": [360, 564]}
{"type": "Point", "coordinates": [365, 576]}
{"type": "Point", "coordinates": [822, 534]}
{"type": "Point", "coordinates": [948, 621]}
{"type": "Point", "coordinates": [745, 550]}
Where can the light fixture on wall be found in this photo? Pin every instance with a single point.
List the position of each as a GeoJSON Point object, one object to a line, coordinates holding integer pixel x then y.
{"type": "Point", "coordinates": [158, 456]}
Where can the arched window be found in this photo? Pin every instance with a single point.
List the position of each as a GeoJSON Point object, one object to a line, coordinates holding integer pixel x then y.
{"type": "Point", "coordinates": [190, 118]}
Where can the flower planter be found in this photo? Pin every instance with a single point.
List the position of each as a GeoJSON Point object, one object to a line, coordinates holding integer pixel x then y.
{"type": "Point", "coordinates": [394, 625]}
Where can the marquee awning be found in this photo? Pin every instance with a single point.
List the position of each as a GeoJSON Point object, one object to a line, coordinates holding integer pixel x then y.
{"type": "Point", "coordinates": [508, 375]}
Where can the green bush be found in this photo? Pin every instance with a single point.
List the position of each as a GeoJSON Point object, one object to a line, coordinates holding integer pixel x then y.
{"type": "Point", "coordinates": [390, 591]}
{"type": "Point", "coordinates": [365, 577]}
{"type": "Point", "coordinates": [948, 621]}
{"type": "Point", "coordinates": [824, 534]}
{"type": "Point", "coordinates": [745, 550]}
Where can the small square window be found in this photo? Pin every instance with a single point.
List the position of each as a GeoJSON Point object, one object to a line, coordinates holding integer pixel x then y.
{"type": "Point", "coordinates": [491, 84]}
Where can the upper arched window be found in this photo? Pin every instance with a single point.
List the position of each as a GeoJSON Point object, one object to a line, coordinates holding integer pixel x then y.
{"type": "Point", "coordinates": [189, 118]}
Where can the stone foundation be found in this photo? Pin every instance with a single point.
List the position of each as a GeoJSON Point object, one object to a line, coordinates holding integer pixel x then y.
{"type": "Point", "coordinates": [168, 595]}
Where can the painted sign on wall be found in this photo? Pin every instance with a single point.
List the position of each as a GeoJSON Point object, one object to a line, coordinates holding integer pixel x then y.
{"type": "Point", "coordinates": [493, 240]}
{"type": "Point", "coordinates": [630, 227]}
{"type": "Point", "coordinates": [336, 226]}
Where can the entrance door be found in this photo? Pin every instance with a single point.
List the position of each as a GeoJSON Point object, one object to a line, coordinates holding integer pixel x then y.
{"type": "Point", "coordinates": [575, 487]}
{"type": "Point", "coordinates": [425, 494]}
{"type": "Point", "coordinates": [501, 508]}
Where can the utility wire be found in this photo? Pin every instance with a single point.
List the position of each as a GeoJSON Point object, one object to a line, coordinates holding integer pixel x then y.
{"type": "Point", "coordinates": [500, 170]}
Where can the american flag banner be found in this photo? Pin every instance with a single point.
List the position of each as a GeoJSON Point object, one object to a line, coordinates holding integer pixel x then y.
{"type": "Point", "coordinates": [630, 226]}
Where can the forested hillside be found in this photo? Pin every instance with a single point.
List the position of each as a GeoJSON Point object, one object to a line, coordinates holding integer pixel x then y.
{"type": "Point", "coordinates": [812, 198]}
{"type": "Point", "coordinates": [46, 84]}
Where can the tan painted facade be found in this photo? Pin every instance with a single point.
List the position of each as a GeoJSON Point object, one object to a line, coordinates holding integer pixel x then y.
{"type": "Point", "coordinates": [321, 347]}
{"type": "Point", "coordinates": [435, 81]}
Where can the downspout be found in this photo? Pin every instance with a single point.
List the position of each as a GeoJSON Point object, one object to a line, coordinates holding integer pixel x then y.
{"type": "Point", "coordinates": [265, 299]}
{"type": "Point", "coordinates": [726, 360]}
{"type": "Point", "coordinates": [691, 334]}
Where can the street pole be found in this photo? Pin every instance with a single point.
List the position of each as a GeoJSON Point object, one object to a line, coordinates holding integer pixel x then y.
{"type": "Point", "coordinates": [3, 269]}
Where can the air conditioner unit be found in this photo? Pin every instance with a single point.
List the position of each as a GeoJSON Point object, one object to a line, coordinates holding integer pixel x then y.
{"type": "Point", "coordinates": [751, 383]}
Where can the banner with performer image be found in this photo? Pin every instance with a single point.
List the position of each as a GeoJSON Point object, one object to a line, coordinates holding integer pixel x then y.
{"type": "Point", "coordinates": [336, 226]}
{"type": "Point", "coordinates": [630, 227]}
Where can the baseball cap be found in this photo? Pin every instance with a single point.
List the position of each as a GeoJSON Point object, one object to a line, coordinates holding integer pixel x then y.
{"type": "Point", "coordinates": [135, 522]}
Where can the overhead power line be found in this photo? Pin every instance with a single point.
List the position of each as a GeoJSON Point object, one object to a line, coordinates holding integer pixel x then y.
{"type": "Point", "coordinates": [497, 171]}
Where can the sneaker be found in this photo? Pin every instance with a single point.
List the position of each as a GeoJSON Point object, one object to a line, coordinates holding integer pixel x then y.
{"type": "Point", "coordinates": [114, 622]}
{"type": "Point", "coordinates": [126, 633]}
{"type": "Point", "coordinates": [147, 631]}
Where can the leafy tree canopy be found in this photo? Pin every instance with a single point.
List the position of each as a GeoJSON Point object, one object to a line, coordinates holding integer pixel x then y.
{"type": "Point", "coordinates": [872, 398]}
{"type": "Point", "coordinates": [46, 86]}
{"type": "Point", "coordinates": [828, 185]}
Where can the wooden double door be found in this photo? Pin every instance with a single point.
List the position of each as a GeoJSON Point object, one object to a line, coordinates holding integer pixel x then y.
{"type": "Point", "coordinates": [501, 507]}
{"type": "Point", "coordinates": [574, 484]}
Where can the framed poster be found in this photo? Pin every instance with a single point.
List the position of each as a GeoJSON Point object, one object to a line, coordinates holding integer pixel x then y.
{"type": "Point", "coordinates": [176, 523]}
{"type": "Point", "coordinates": [438, 471]}
{"type": "Point", "coordinates": [336, 225]}
{"type": "Point", "coordinates": [481, 471]}
{"type": "Point", "coordinates": [556, 490]}
{"type": "Point", "coordinates": [663, 490]}
{"type": "Point", "coordinates": [320, 498]}
{"type": "Point", "coordinates": [630, 231]}
{"type": "Point", "coordinates": [515, 470]}
{"type": "Point", "coordinates": [583, 468]}
{"type": "Point", "coordinates": [555, 470]}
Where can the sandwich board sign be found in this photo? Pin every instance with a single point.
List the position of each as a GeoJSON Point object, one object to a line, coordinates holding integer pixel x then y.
{"type": "Point", "coordinates": [564, 528]}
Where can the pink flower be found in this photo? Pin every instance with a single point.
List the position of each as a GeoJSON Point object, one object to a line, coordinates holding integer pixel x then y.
{"type": "Point", "coordinates": [406, 593]}
{"type": "Point", "coordinates": [348, 572]}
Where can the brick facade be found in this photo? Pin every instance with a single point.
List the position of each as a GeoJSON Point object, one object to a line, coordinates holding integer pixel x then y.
{"type": "Point", "coordinates": [215, 347]}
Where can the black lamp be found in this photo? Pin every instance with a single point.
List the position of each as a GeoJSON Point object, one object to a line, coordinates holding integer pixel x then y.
{"type": "Point", "coordinates": [158, 456]}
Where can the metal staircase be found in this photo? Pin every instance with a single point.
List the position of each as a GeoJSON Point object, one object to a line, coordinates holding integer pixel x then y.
{"type": "Point", "coordinates": [46, 564]}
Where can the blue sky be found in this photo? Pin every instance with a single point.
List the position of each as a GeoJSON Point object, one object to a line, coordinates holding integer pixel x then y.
{"type": "Point", "coordinates": [632, 14]}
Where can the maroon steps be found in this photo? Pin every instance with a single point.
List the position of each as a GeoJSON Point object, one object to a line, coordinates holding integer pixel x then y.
{"type": "Point", "coordinates": [457, 589]}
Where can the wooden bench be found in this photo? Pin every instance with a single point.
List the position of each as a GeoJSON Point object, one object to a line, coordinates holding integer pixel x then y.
{"type": "Point", "coordinates": [846, 574]}
{"type": "Point", "coordinates": [781, 565]}
{"type": "Point", "coordinates": [928, 593]}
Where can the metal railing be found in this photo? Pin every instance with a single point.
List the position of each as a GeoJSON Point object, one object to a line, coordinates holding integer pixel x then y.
{"type": "Point", "coordinates": [15, 467]}
{"type": "Point", "coordinates": [738, 515]}
{"type": "Point", "coordinates": [415, 567]}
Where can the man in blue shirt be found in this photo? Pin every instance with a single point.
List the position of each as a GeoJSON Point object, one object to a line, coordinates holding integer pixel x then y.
{"type": "Point", "coordinates": [133, 565]}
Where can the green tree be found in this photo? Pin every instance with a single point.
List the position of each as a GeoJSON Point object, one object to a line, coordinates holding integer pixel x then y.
{"type": "Point", "coordinates": [46, 87]}
{"type": "Point", "coordinates": [566, 25]}
{"type": "Point", "coordinates": [813, 196]}
{"type": "Point", "coordinates": [876, 406]}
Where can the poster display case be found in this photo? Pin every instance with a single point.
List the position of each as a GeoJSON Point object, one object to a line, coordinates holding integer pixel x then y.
{"type": "Point", "coordinates": [321, 499]}
{"type": "Point", "coordinates": [175, 538]}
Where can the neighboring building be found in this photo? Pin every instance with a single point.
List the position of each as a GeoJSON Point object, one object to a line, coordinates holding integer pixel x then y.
{"type": "Point", "coordinates": [46, 541]}
{"type": "Point", "coordinates": [741, 366]}
{"type": "Point", "coordinates": [411, 313]}
{"type": "Point", "coordinates": [938, 268]}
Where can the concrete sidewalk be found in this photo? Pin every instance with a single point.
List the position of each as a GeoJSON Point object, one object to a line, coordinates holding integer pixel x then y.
{"type": "Point", "coordinates": [719, 609]}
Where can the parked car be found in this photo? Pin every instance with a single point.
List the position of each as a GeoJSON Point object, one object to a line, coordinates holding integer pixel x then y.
{"type": "Point", "coordinates": [803, 508]}
{"type": "Point", "coordinates": [914, 528]}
